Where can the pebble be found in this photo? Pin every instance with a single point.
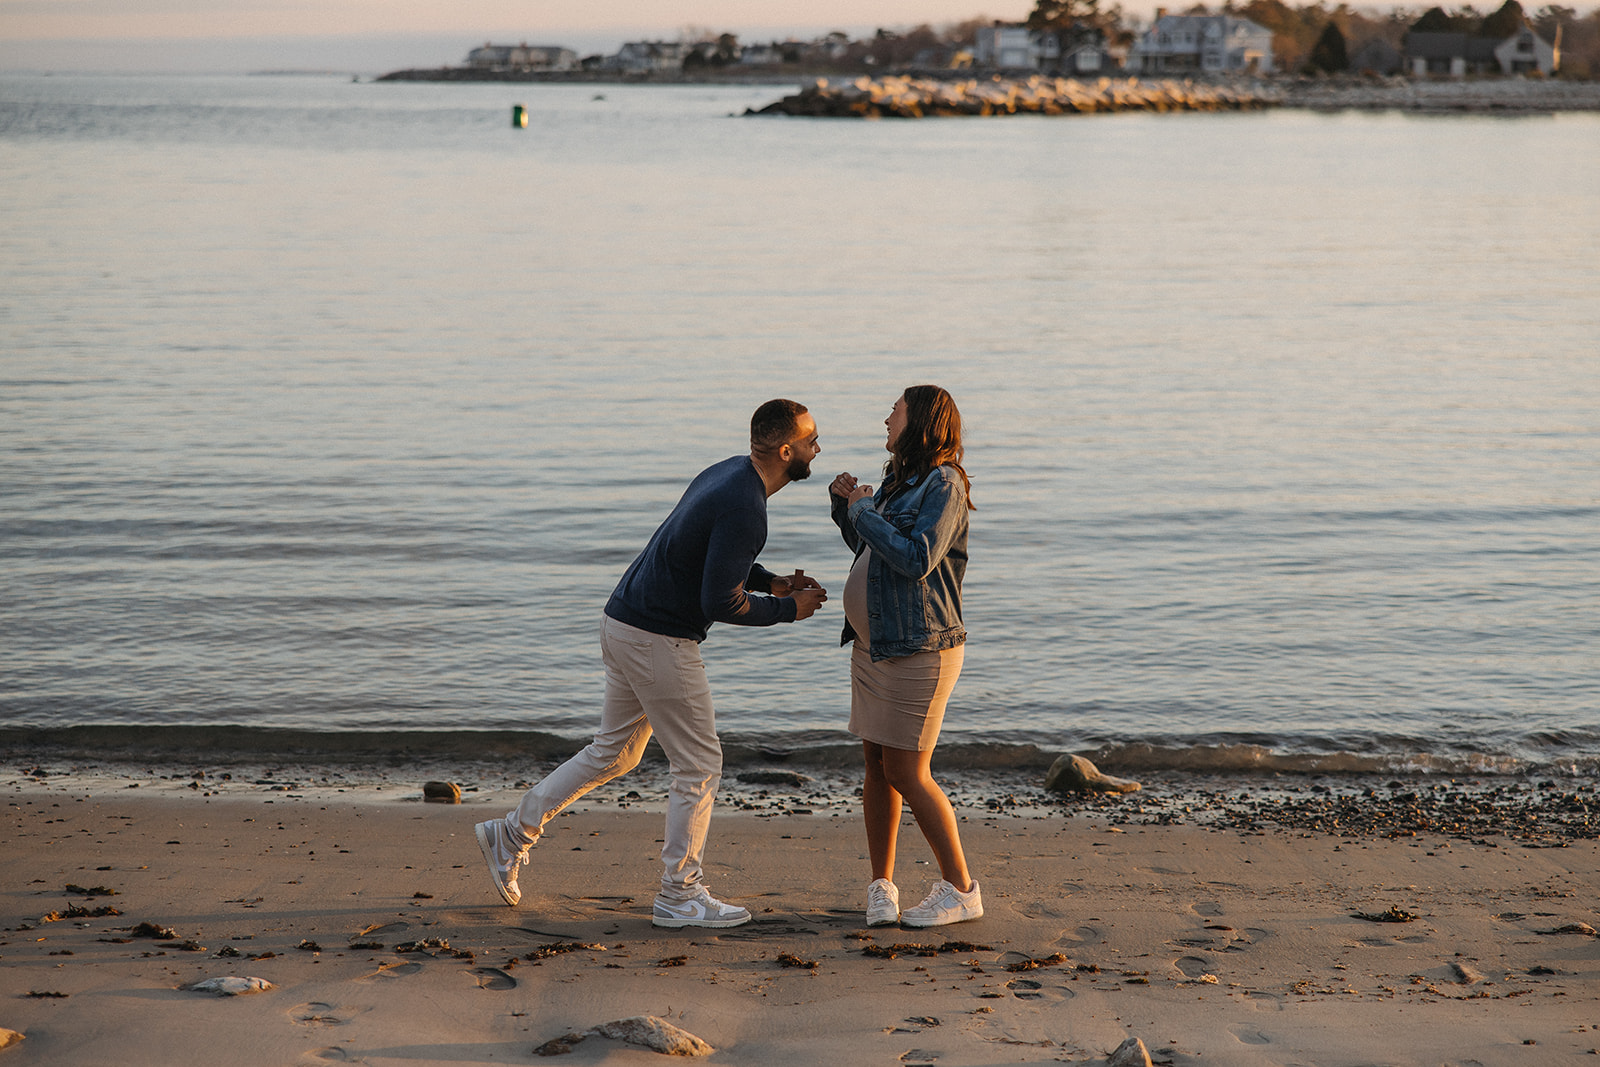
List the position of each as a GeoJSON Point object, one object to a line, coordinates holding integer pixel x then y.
{"type": "Point", "coordinates": [441, 793]}
{"type": "Point", "coordinates": [152, 930]}
{"type": "Point", "coordinates": [9, 1037]}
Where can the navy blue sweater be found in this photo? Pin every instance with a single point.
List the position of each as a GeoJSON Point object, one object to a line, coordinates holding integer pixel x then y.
{"type": "Point", "coordinates": [701, 562]}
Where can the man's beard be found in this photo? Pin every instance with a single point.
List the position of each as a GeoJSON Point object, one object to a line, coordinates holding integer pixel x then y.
{"type": "Point", "coordinates": [798, 470]}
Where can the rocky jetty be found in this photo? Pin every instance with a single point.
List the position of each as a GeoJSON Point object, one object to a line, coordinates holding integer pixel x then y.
{"type": "Point", "coordinates": [903, 96]}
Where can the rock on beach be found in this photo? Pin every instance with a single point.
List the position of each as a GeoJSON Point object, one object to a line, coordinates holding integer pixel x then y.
{"type": "Point", "coordinates": [1131, 1053]}
{"type": "Point", "coordinates": [902, 96]}
{"type": "Point", "coordinates": [231, 986]}
{"type": "Point", "coordinates": [645, 1031]}
{"type": "Point", "coordinates": [1075, 774]}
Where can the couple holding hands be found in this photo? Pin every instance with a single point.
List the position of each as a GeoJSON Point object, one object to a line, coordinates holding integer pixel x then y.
{"type": "Point", "coordinates": [902, 607]}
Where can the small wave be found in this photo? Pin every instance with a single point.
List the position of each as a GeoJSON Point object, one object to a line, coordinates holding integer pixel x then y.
{"type": "Point", "coordinates": [1209, 759]}
{"type": "Point", "coordinates": [822, 750]}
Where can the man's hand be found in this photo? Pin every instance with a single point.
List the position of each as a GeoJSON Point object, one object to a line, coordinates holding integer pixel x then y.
{"type": "Point", "coordinates": [783, 585]}
{"type": "Point", "coordinates": [808, 600]}
{"type": "Point", "coordinates": [843, 485]}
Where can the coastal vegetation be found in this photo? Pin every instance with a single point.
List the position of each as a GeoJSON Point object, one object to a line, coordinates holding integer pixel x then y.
{"type": "Point", "coordinates": [1306, 39]}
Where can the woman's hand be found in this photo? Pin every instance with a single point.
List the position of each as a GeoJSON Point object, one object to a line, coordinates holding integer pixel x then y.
{"type": "Point", "coordinates": [858, 493]}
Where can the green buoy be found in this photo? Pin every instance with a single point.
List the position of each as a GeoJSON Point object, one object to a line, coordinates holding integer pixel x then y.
{"type": "Point", "coordinates": [519, 116]}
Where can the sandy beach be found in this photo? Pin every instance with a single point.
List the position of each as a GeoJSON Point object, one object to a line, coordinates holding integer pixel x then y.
{"type": "Point", "coordinates": [369, 913]}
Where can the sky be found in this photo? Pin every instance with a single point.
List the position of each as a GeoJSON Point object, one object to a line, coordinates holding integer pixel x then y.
{"type": "Point", "coordinates": [373, 36]}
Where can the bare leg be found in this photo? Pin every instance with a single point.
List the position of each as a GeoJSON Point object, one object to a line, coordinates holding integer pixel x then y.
{"type": "Point", "coordinates": [880, 809]}
{"type": "Point", "coordinates": [907, 774]}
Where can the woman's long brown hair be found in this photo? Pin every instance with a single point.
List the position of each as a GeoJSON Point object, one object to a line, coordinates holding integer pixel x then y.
{"type": "Point", "coordinates": [932, 438]}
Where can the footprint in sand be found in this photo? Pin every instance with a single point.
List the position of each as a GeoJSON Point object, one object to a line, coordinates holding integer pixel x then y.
{"type": "Point", "coordinates": [1210, 909]}
{"type": "Point", "coordinates": [392, 970]}
{"type": "Point", "coordinates": [1049, 909]}
{"type": "Point", "coordinates": [1264, 1001]}
{"type": "Point", "coordinates": [1025, 988]}
{"type": "Point", "coordinates": [1250, 1037]}
{"type": "Point", "coordinates": [492, 978]}
{"type": "Point", "coordinates": [316, 1013]}
{"type": "Point", "coordinates": [380, 930]}
{"type": "Point", "coordinates": [1193, 966]}
{"type": "Point", "coordinates": [331, 1054]}
{"type": "Point", "coordinates": [1083, 935]}
{"type": "Point", "coordinates": [1239, 940]}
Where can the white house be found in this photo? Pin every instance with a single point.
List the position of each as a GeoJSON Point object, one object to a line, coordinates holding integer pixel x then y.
{"type": "Point", "coordinates": [1201, 44]}
{"type": "Point", "coordinates": [761, 55]}
{"type": "Point", "coordinates": [645, 56]}
{"type": "Point", "coordinates": [1079, 49]}
{"type": "Point", "coordinates": [1006, 46]}
{"type": "Point", "coordinates": [1525, 52]}
{"type": "Point", "coordinates": [522, 57]}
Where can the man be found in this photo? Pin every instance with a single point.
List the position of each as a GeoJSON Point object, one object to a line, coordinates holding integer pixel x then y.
{"type": "Point", "coordinates": [699, 567]}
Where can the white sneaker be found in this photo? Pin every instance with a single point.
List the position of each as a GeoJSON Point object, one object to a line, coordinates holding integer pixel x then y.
{"type": "Point", "coordinates": [883, 903]}
{"type": "Point", "coordinates": [702, 909]}
{"type": "Point", "coordinates": [944, 905]}
{"type": "Point", "coordinates": [503, 858]}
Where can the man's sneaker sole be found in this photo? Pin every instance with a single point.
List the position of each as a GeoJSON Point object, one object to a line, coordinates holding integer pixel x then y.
{"type": "Point", "coordinates": [495, 873]}
{"type": "Point", "coordinates": [709, 924]}
{"type": "Point", "coordinates": [923, 924]}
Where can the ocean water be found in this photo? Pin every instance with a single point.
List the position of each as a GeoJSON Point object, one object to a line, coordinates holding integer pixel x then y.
{"type": "Point", "coordinates": [340, 407]}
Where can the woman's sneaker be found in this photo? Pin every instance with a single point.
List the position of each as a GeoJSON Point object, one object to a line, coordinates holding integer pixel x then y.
{"type": "Point", "coordinates": [883, 903]}
{"type": "Point", "coordinates": [945, 905]}
{"type": "Point", "coordinates": [502, 857]}
{"type": "Point", "coordinates": [701, 909]}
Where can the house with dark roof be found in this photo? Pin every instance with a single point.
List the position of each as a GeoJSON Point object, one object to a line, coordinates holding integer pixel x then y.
{"type": "Point", "coordinates": [1453, 54]}
{"type": "Point", "coordinates": [1460, 54]}
{"type": "Point", "coordinates": [1201, 44]}
{"type": "Point", "coordinates": [1377, 56]}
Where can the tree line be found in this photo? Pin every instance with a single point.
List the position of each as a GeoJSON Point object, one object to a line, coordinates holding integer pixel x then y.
{"type": "Point", "coordinates": [1305, 37]}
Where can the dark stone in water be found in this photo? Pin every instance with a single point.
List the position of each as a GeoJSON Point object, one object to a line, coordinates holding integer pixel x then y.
{"type": "Point", "coordinates": [793, 778]}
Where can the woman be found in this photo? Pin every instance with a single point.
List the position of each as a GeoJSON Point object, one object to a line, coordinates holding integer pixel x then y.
{"type": "Point", "coordinates": [902, 605]}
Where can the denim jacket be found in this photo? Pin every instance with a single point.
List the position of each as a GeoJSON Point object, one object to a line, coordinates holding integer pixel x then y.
{"type": "Point", "coordinates": [919, 556]}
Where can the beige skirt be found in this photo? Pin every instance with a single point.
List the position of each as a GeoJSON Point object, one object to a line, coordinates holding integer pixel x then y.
{"type": "Point", "coordinates": [899, 702]}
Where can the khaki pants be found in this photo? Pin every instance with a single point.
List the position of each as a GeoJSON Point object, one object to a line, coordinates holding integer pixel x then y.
{"type": "Point", "coordinates": [653, 684]}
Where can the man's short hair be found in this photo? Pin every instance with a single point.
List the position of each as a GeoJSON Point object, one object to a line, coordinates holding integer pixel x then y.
{"type": "Point", "coordinates": [775, 424]}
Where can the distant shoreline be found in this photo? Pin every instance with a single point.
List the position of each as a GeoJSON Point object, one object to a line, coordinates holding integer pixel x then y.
{"type": "Point", "coordinates": [1487, 95]}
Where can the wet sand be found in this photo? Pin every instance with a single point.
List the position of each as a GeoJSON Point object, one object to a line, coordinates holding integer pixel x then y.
{"type": "Point", "coordinates": [370, 913]}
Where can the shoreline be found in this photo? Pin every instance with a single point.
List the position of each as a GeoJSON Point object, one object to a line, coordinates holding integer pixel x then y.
{"type": "Point", "coordinates": [384, 944]}
{"type": "Point", "coordinates": [1503, 95]}
{"type": "Point", "coordinates": [1491, 811]}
